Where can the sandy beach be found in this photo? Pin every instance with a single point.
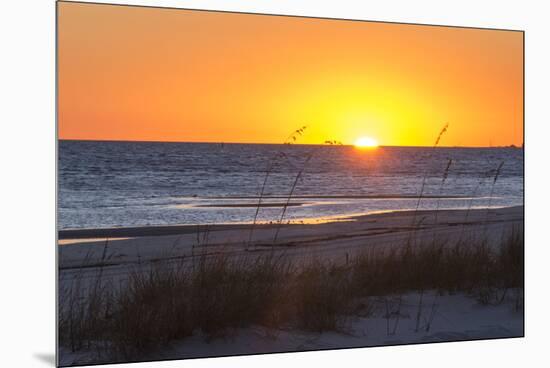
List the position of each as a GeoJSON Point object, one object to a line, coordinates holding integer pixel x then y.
{"type": "Point", "coordinates": [334, 240]}
{"type": "Point", "coordinates": [407, 317]}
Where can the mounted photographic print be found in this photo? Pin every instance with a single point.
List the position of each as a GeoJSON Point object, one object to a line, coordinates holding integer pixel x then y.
{"type": "Point", "coordinates": [234, 183]}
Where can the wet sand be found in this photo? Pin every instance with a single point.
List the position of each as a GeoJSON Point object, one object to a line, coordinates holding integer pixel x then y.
{"type": "Point", "coordinates": [335, 240]}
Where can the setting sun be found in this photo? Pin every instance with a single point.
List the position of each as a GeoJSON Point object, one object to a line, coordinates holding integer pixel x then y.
{"type": "Point", "coordinates": [366, 142]}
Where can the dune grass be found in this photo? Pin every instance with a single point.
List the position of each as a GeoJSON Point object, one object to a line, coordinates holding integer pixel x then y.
{"type": "Point", "coordinates": [162, 303]}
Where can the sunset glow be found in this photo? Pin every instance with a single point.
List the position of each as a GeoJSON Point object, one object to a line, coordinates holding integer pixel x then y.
{"type": "Point", "coordinates": [153, 74]}
{"type": "Point", "coordinates": [366, 142]}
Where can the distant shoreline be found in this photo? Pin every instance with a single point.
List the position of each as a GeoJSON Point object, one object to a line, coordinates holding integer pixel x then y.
{"type": "Point", "coordinates": [374, 196]}
{"type": "Point", "coordinates": [281, 144]}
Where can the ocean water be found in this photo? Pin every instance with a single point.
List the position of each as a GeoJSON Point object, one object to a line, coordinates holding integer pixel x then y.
{"type": "Point", "coordinates": [111, 184]}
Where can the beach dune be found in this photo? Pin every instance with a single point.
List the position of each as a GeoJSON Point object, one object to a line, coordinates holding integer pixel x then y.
{"type": "Point", "coordinates": [112, 256]}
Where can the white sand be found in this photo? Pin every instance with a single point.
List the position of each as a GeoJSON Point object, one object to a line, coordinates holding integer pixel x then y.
{"type": "Point", "coordinates": [456, 317]}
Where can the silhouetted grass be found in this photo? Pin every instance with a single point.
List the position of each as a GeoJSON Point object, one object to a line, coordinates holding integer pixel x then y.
{"type": "Point", "coordinates": [415, 224]}
{"type": "Point", "coordinates": [322, 297]}
{"type": "Point", "coordinates": [298, 176]}
{"type": "Point", "coordinates": [270, 167]}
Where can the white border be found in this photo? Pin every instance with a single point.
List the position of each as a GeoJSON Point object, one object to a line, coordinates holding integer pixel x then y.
{"type": "Point", "coordinates": [28, 166]}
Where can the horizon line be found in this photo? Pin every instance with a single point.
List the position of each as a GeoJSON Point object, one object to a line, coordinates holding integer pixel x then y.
{"type": "Point", "coordinates": [278, 144]}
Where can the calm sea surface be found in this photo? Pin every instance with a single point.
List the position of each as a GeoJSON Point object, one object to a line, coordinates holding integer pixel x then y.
{"type": "Point", "coordinates": [109, 184]}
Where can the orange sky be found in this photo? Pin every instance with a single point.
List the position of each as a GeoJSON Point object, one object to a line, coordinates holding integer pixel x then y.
{"type": "Point", "coordinates": [134, 73]}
